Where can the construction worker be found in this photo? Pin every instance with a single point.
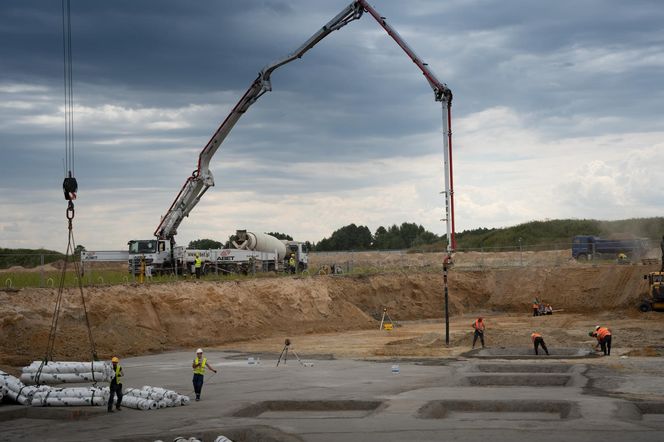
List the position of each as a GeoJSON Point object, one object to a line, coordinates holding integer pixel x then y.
{"type": "Point", "coordinates": [536, 304]}
{"type": "Point", "coordinates": [603, 336]}
{"type": "Point", "coordinates": [116, 385]}
{"type": "Point", "coordinates": [537, 341]}
{"type": "Point", "coordinates": [199, 365]}
{"type": "Point", "coordinates": [479, 327]}
{"type": "Point", "coordinates": [622, 258]}
{"type": "Point", "coordinates": [291, 263]}
{"type": "Point", "coordinates": [197, 265]}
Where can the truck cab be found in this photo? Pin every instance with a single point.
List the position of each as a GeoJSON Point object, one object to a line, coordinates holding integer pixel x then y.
{"type": "Point", "coordinates": [301, 254]}
{"type": "Point", "coordinates": [150, 252]}
{"type": "Point", "coordinates": [583, 247]}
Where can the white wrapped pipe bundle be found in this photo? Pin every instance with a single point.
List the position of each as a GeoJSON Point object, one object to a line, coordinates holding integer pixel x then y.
{"type": "Point", "coordinates": [68, 367]}
{"type": "Point", "coordinates": [61, 397]}
{"type": "Point", "coordinates": [138, 403]}
{"type": "Point", "coordinates": [163, 397]}
{"type": "Point", "coordinates": [16, 390]}
{"type": "Point", "coordinates": [64, 401]}
{"type": "Point", "coordinates": [65, 378]}
{"type": "Point", "coordinates": [67, 372]}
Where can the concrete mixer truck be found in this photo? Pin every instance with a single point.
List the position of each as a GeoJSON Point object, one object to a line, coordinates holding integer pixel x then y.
{"type": "Point", "coordinates": [251, 252]}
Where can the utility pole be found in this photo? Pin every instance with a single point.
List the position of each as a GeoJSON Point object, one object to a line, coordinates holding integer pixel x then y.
{"type": "Point", "coordinates": [520, 253]}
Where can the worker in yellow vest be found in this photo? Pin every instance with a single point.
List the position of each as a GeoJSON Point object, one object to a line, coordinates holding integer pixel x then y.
{"type": "Point", "coordinates": [197, 265]}
{"type": "Point", "coordinates": [116, 385]}
{"type": "Point", "coordinates": [291, 263]}
{"type": "Point", "coordinates": [199, 365]}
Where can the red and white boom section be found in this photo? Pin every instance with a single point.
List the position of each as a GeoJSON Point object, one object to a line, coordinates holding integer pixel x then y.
{"type": "Point", "coordinates": [201, 179]}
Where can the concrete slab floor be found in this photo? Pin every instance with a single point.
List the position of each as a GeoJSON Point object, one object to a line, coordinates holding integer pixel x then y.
{"type": "Point", "coordinates": [365, 401]}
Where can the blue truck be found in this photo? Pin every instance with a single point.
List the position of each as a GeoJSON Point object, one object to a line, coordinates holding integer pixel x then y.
{"type": "Point", "coordinates": [586, 247]}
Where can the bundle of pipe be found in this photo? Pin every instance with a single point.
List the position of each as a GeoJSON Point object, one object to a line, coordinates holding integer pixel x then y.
{"type": "Point", "coordinates": [161, 396]}
{"type": "Point", "coordinates": [16, 390]}
{"type": "Point", "coordinates": [66, 372]}
{"type": "Point", "coordinates": [63, 397]}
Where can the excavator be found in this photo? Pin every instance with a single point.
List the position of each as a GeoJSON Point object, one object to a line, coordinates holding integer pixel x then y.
{"type": "Point", "coordinates": [160, 252]}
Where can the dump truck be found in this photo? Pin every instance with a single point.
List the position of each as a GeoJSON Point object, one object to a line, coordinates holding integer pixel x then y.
{"type": "Point", "coordinates": [586, 247]}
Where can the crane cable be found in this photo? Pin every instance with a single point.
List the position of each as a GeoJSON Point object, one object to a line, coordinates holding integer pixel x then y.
{"type": "Point", "coordinates": [70, 188]}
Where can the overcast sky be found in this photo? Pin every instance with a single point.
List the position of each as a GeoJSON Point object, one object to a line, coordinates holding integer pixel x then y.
{"type": "Point", "coordinates": [558, 113]}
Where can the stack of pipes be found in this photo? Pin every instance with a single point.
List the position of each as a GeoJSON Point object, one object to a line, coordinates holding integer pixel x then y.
{"type": "Point", "coordinates": [16, 390]}
{"type": "Point", "coordinates": [66, 372]}
{"type": "Point", "coordinates": [151, 398]}
{"type": "Point", "coordinates": [146, 398]}
{"type": "Point", "coordinates": [70, 397]}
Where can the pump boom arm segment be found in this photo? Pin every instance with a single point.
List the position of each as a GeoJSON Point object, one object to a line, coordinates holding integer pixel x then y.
{"type": "Point", "coordinates": [202, 179]}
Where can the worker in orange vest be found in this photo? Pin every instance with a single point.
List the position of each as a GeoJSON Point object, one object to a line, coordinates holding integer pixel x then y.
{"type": "Point", "coordinates": [537, 341]}
{"type": "Point", "coordinates": [603, 336]}
{"type": "Point", "coordinates": [478, 325]}
{"type": "Point", "coordinates": [536, 304]}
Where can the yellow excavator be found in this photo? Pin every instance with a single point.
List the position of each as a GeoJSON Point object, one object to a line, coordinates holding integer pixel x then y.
{"type": "Point", "coordinates": [655, 301]}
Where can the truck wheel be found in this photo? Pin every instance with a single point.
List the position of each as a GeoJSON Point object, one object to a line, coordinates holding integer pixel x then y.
{"type": "Point", "coordinates": [645, 307]}
{"type": "Point", "coordinates": [582, 257]}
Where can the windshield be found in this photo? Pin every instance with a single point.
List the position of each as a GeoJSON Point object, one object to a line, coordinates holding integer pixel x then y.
{"type": "Point", "coordinates": [149, 246]}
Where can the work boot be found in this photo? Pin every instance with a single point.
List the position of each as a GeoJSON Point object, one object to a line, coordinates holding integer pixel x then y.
{"type": "Point", "coordinates": [110, 410]}
{"type": "Point", "coordinates": [198, 397]}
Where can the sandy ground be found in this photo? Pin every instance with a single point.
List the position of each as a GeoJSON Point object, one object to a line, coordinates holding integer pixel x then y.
{"type": "Point", "coordinates": [640, 335]}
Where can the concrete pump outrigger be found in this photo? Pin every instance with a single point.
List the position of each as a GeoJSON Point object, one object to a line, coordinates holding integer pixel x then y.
{"type": "Point", "coordinates": [201, 179]}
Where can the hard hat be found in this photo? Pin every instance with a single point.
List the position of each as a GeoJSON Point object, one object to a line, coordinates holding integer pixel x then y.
{"type": "Point", "coordinates": [597, 327]}
{"type": "Point", "coordinates": [115, 359]}
{"type": "Point", "coordinates": [198, 254]}
{"type": "Point", "coordinates": [200, 350]}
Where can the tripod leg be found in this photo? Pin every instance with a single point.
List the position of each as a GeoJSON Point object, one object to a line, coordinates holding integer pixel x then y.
{"type": "Point", "coordinates": [286, 356]}
{"type": "Point", "coordinates": [280, 354]}
{"type": "Point", "coordinates": [298, 358]}
{"type": "Point", "coordinates": [381, 321]}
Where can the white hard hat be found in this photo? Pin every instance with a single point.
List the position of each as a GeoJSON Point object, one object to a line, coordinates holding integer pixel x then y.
{"type": "Point", "coordinates": [200, 350]}
{"type": "Point", "coordinates": [597, 327]}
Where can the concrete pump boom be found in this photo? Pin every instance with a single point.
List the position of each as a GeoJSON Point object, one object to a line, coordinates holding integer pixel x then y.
{"type": "Point", "coordinates": [202, 179]}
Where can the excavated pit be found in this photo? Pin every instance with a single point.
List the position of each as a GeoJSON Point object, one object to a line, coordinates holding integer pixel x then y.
{"type": "Point", "coordinates": [309, 409]}
{"type": "Point", "coordinates": [236, 434]}
{"type": "Point", "coordinates": [519, 380]}
{"type": "Point", "coordinates": [482, 410]}
{"type": "Point", "coordinates": [524, 368]}
{"type": "Point", "coordinates": [528, 353]}
{"type": "Point", "coordinates": [650, 412]}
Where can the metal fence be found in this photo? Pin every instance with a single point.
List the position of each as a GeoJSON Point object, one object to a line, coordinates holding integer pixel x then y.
{"type": "Point", "coordinates": [39, 270]}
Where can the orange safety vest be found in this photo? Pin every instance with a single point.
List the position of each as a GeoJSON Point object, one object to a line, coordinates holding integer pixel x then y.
{"type": "Point", "coordinates": [602, 333]}
{"type": "Point", "coordinates": [535, 305]}
{"type": "Point", "coordinates": [535, 336]}
{"type": "Point", "coordinates": [478, 325]}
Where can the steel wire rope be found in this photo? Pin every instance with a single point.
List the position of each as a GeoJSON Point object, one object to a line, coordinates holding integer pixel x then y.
{"type": "Point", "coordinates": [70, 188]}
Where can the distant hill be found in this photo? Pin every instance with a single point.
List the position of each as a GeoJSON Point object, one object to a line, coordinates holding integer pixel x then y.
{"type": "Point", "coordinates": [554, 233]}
{"type": "Point", "coordinates": [27, 257]}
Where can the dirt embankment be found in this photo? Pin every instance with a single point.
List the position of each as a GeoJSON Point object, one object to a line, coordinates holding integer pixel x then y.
{"type": "Point", "coordinates": [150, 318]}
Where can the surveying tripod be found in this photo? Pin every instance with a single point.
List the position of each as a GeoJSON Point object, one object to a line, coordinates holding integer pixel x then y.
{"type": "Point", "coordinates": [284, 353]}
